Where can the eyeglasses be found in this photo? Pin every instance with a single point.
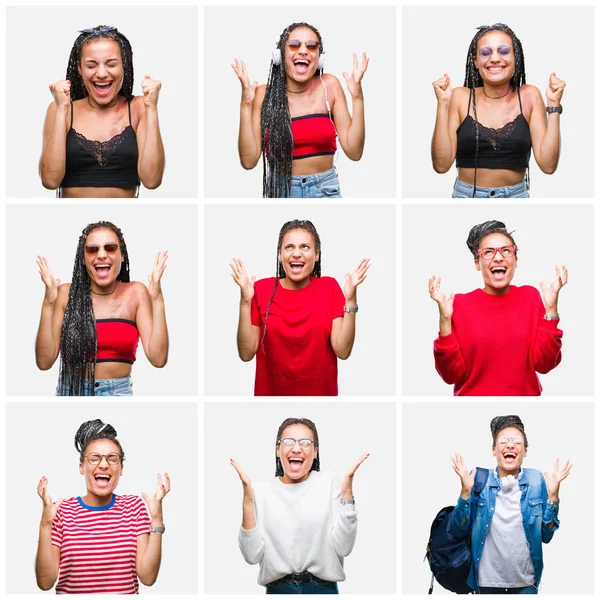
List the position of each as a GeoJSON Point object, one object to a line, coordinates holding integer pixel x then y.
{"type": "Point", "coordinates": [93, 249]}
{"type": "Point", "coordinates": [303, 443]}
{"type": "Point", "coordinates": [503, 50]}
{"type": "Point", "coordinates": [112, 459]}
{"type": "Point", "coordinates": [505, 252]}
{"type": "Point", "coordinates": [517, 440]}
{"type": "Point", "coordinates": [311, 45]}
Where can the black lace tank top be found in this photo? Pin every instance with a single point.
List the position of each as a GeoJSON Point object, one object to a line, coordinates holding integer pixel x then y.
{"type": "Point", "coordinates": [102, 164]}
{"type": "Point", "coordinates": [506, 148]}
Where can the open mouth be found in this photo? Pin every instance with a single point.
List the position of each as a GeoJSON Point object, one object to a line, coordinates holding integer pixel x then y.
{"type": "Point", "coordinates": [102, 88]}
{"type": "Point", "coordinates": [296, 267]}
{"type": "Point", "coordinates": [301, 66]}
{"type": "Point", "coordinates": [498, 273]}
{"type": "Point", "coordinates": [102, 480]}
{"type": "Point", "coordinates": [495, 69]}
{"type": "Point", "coordinates": [102, 269]}
{"type": "Point", "coordinates": [295, 463]}
{"type": "Point", "coordinates": [509, 457]}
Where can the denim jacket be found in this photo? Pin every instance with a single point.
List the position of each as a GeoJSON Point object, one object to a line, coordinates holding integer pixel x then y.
{"type": "Point", "coordinates": [535, 511]}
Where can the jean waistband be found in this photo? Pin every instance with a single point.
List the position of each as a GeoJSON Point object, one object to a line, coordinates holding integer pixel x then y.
{"type": "Point", "coordinates": [297, 577]}
{"type": "Point", "coordinates": [313, 179]}
{"type": "Point", "coordinates": [112, 383]}
{"type": "Point", "coordinates": [466, 187]}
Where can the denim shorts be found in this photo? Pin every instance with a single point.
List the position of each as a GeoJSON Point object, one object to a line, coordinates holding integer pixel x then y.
{"type": "Point", "coordinates": [320, 185]}
{"type": "Point", "coordinates": [109, 387]}
{"type": "Point", "coordinates": [302, 583]}
{"type": "Point", "coordinates": [464, 190]}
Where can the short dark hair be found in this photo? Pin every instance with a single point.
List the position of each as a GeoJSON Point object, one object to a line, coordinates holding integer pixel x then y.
{"type": "Point", "coordinates": [478, 232]}
{"type": "Point", "coordinates": [497, 424]}
{"type": "Point", "coordinates": [316, 465]}
{"type": "Point", "coordinates": [91, 431]}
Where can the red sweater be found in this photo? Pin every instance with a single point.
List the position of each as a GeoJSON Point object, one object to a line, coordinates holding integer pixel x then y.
{"type": "Point", "coordinates": [296, 357]}
{"type": "Point", "coordinates": [498, 343]}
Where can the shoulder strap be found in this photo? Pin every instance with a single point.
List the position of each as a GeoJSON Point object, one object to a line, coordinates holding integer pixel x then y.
{"type": "Point", "coordinates": [129, 110]}
{"type": "Point", "coordinates": [481, 476]}
{"type": "Point", "coordinates": [71, 113]}
{"type": "Point", "coordinates": [519, 95]}
{"type": "Point", "coordinates": [469, 105]}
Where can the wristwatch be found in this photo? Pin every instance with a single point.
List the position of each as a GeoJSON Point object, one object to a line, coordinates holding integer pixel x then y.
{"type": "Point", "coordinates": [552, 502]}
{"type": "Point", "coordinates": [350, 309]}
{"type": "Point", "coordinates": [353, 502]}
{"type": "Point", "coordinates": [159, 529]}
{"type": "Point", "coordinates": [555, 317]}
{"type": "Point", "coordinates": [554, 109]}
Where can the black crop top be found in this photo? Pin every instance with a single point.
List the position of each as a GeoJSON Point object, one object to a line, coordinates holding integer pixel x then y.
{"type": "Point", "coordinates": [506, 148]}
{"type": "Point", "coordinates": [102, 164]}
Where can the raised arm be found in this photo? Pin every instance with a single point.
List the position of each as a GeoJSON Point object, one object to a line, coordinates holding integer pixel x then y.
{"type": "Point", "coordinates": [47, 558]}
{"type": "Point", "coordinates": [447, 120]}
{"type": "Point", "coordinates": [551, 484]}
{"type": "Point", "coordinates": [460, 521]}
{"type": "Point", "coordinates": [151, 152]}
{"type": "Point", "coordinates": [248, 335]}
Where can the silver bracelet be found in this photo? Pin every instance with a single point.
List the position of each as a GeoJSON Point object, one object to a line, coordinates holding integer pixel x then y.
{"type": "Point", "coordinates": [350, 309]}
{"type": "Point", "coordinates": [552, 317]}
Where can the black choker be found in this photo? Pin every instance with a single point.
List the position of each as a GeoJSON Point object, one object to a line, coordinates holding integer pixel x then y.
{"type": "Point", "coordinates": [106, 108]}
{"type": "Point", "coordinates": [302, 92]}
{"type": "Point", "coordinates": [495, 97]}
{"type": "Point", "coordinates": [109, 293]}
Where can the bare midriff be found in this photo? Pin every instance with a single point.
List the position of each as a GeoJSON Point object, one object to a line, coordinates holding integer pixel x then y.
{"type": "Point", "coordinates": [98, 192]}
{"type": "Point", "coordinates": [492, 177]}
{"type": "Point", "coordinates": [312, 165]}
{"type": "Point", "coordinates": [112, 370]}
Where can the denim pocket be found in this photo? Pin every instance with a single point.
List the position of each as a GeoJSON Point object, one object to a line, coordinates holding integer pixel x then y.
{"type": "Point", "coordinates": [536, 507]}
{"type": "Point", "coordinates": [331, 191]}
{"type": "Point", "coordinates": [321, 583]}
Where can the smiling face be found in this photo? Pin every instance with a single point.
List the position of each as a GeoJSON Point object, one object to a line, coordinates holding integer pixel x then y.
{"type": "Point", "coordinates": [298, 255]}
{"type": "Point", "coordinates": [498, 271]}
{"type": "Point", "coordinates": [101, 479]}
{"type": "Point", "coordinates": [509, 455]}
{"type": "Point", "coordinates": [301, 62]}
{"type": "Point", "coordinates": [296, 460]}
{"type": "Point", "coordinates": [104, 266]}
{"type": "Point", "coordinates": [101, 67]}
{"type": "Point", "coordinates": [499, 66]}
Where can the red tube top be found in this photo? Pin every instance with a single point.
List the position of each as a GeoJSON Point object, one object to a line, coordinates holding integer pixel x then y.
{"type": "Point", "coordinates": [314, 135]}
{"type": "Point", "coordinates": [117, 340]}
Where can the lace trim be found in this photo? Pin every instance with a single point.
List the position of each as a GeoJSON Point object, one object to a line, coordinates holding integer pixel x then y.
{"type": "Point", "coordinates": [101, 151]}
{"type": "Point", "coordinates": [496, 136]}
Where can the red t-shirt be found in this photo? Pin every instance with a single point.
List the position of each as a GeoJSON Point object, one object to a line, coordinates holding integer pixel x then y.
{"type": "Point", "coordinates": [497, 344]}
{"type": "Point", "coordinates": [296, 357]}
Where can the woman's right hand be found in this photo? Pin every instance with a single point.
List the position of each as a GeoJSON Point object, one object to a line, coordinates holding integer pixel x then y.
{"type": "Point", "coordinates": [467, 480]}
{"type": "Point", "coordinates": [48, 279]}
{"type": "Point", "coordinates": [248, 89]}
{"type": "Point", "coordinates": [445, 303]}
{"type": "Point", "coordinates": [61, 90]}
{"type": "Point", "coordinates": [240, 276]}
{"type": "Point", "coordinates": [50, 509]}
{"type": "Point", "coordinates": [443, 89]}
{"type": "Point", "coordinates": [246, 483]}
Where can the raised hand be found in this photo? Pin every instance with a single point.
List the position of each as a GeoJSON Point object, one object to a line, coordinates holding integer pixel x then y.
{"type": "Point", "coordinates": [550, 293]}
{"type": "Point", "coordinates": [555, 90]}
{"type": "Point", "coordinates": [358, 72]}
{"type": "Point", "coordinates": [246, 483]}
{"type": "Point", "coordinates": [160, 264]}
{"type": "Point", "coordinates": [248, 89]}
{"type": "Point", "coordinates": [558, 476]}
{"type": "Point", "coordinates": [155, 503]}
{"type": "Point", "coordinates": [354, 279]}
{"type": "Point", "coordinates": [61, 91]}
{"type": "Point", "coordinates": [347, 481]}
{"type": "Point", "coordinates": [240, 276]}
{"type": "Point", "coordinates": [151, 90]}
{"type": "Point", "coordinates": [445, 303]}
{"type": "Point", "coordinates": [50, 508]}
{"type": "Point", "coordinates": [443, 89]}
{"type": "Point", "coordinates": [467, 480]}
{"type": "Point", "coordinates": [51, 284]}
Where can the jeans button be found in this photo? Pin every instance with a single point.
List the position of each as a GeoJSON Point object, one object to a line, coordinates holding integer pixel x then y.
{"type": "Point", "coordinates": [492, 193]}
{"type": "Point", "coordinates": [304, 180]}
{"type": "Point", "coordinates": [96, 384]}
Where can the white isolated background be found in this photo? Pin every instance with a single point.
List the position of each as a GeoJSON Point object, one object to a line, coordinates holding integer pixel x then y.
{"type": "Point", "coordinates": [434, 242]}
{"type": "Point", "coordinates": [250, 34]}
{"type": "Point", "coordinates": [435, 41]}
{"type": "Point", "coordinates": [165, 46]}
{"type": "Point", "coordinates": [53, 231]}
{"type": "Point", "coordinates": [247, 432]}
{"type": "Point", "coordinates": [348, 234]}
{"type": "Point", "coordinates": [157, 438]}
{"type": "Point", "coordinates": [432, 432]}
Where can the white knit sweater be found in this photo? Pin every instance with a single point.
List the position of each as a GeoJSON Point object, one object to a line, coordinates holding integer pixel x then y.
{"type": "Point", "coordinates": [300, 527]}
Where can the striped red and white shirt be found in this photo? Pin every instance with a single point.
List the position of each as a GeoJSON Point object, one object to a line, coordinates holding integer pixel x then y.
{"type": "Point", "coordinates": [98, 545]}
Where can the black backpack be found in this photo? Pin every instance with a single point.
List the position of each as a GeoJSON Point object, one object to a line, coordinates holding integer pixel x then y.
{"type": "Point", "coordinates": [449, 559]}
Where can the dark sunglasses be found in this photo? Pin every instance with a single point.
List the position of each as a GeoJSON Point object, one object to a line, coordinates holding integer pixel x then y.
{"type": "Point", "coordinates": [93, 249]}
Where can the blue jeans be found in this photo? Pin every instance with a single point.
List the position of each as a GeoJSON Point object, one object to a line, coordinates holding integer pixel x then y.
{"type": "Point", "coordinates": [464, 190]}
{"type": "Point", "coordinates": [321, 185]}
{"type": "Point", "coordinates": [302, 583]}
{"type": "Point", "coordinates": [530, 589]}
{"type": "Point", "coordinates": [109, 387]}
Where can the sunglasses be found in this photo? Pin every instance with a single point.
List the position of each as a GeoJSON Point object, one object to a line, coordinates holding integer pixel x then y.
{"type": "Point", "coordinates": [311, 45]}
{"type": "Point", "coordinates": [93, 249]}
{"type": "Point", "coordinates": [503, 50]}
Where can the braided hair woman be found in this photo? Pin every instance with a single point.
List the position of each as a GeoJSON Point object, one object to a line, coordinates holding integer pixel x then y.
{"type": "Point", "coordinates": [294, 120]}
{"type": "Point", "coordinates": [96, 321]}
{"type": "Point", "coordinates": [297, 323]}
{"type": "Point", "coordinates": [100, 542]}
{"type": "Point", "coordinates": [99, 139]}
{"type": "Point", "coordinates": [490, 125]}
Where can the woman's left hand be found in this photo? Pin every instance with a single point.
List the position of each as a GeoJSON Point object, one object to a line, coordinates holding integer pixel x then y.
{"type": "Point", "coordinates": [556, 88]}
{"type": "Point", "coordinates": [353, 81]}
{"type": "Point", "coordinates": [160, 264]}
{"type": "Point", "coordinates": [550, 294]}
{"type": "Point", "coordinates": [558, 475]}
{"type": "Point", "coordinates": [151, 90]}
{"type": "Point", "coordinates": [354, 279]}
{"type": "Point", "coordinates": [155, 503]}
{"type": "Point", "coordinates": [347, 481]}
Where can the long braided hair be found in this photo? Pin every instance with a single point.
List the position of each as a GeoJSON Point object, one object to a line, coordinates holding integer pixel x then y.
{"type": "Point", "coordinates": [78, 90]}
{"type": "Point", "coordinates": [91, 431]}
{"type": "Point", "coordinates": [316, 464]}
{"type": "Point", "coordinates": [78, 339]}
{"type": "Point", "coordinates": [280, 271]}
{"type": "Point", "coordinates": [473, 77]}
{"type": "Point", "coordinates": [275, 123]}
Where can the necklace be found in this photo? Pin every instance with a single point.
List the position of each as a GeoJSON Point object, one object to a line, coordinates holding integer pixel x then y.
{"type": "Point", "coordinates": [109, 293]}
{"type": "Point", "coordinates": [293, 92]}
{"type": "Point", "coordinates": [107, 108]}
{"type": "Point", "coordinates": [495, 97]}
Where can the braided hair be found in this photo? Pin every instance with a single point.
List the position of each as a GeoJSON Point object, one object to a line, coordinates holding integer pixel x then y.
{"type": "Point", "coordinates": [280, 271]}
{"type": "Point", "coordinates": [78, 90]}
{"type": "Point", "coordinates": [78, 339]}
{"type": "Point", "coordinates": [478, 232]}
{"type": "Point", "coordinates": [91, 431]}
{"type": "Point", "coordinates": [497, 424]}
{"type": "Point", "coordinates": [275, 123]}
{"type": "Point", "coordinates": [316, 465]}
{"type": "Point", "coordinates": [473, 77]}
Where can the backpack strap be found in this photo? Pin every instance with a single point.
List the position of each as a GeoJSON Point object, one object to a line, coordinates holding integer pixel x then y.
{"type": "Point", "coordinates": [481, 477]}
